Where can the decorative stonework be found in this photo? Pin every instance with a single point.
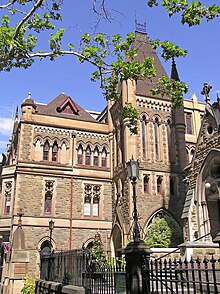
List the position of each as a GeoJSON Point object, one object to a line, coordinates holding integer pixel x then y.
{"type": "Point", "coordinates": [149, 103]}
{"type": "Point", "coordinates": [8, 192]}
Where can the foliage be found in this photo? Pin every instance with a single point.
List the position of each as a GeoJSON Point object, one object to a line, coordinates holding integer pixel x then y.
{"type": "Point", "coordinates": [29, 285]}
{"type": "Point", "coordinates": [130, 112]}
{"type": "Point", "coordinates": [112, 57]}
{"type": "Point", "coordinates": [98, 253]}
{"type": "Point", "coordinates": [163, 232]}
{"type": "Point", "coordinates": [192, 12]}
{"type": "Point", "coordinates": [171, 88]}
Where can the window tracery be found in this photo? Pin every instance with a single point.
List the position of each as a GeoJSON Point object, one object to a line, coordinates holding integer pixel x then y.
{"type": "Point", "coordinates": [8, 191]}
{"type": "Point", "coordinates": [49, 189]}
{"type": "Point", "coordinates": [92, 193]}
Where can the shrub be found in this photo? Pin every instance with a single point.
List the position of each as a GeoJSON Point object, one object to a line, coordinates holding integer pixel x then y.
{"type": "Point", "coordinates": [29, 285]}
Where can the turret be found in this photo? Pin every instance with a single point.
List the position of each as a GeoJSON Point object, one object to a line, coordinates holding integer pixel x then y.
{"type": "Point", "coordinates": [28, 107]}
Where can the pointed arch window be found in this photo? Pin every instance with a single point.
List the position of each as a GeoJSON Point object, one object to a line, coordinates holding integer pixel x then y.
{"type": "Point", "coordinates": [187, 156]}
{"type": "Point", "coordinates": [159, 184]}
{"type": "Point", "coordinates": [96, 157]}
{"type": "Point", "coordinates": [55, 152]}
{"type": "Point", "coordinates": [104, 157]}
{"type": "Point", "coordinates": [156, 138]}
{"type": "Point", "coordinates": [169, 145]}
{"type": "Point", "coordinates": [46, 149]}
{"type": "Point", "coordinates": [80, 155]}
{"type": "Point", "coordinates": [49, 187]}
{"type": "Point", "coordinates": [192, 152]}
{"type": "Point", "coordinates": [146, 184]}
{"type": "Point", "coordinates": [88, 155]}
{"type": "Point", "coordinates": [92, 200]}
{"type": "Point", "coordinates": [188, 119]}
{"type": "Point", "coordinates": [143, 137]}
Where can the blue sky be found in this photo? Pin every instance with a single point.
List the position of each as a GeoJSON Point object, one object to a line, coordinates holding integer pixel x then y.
{"type": "Point", "coordinates": [45, 79]}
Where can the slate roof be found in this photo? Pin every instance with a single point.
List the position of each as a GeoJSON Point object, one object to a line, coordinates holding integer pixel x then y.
{"type": "Point", "coordinates": [145, 50]}
{"type": "Point", "coordinates": [53, 109]}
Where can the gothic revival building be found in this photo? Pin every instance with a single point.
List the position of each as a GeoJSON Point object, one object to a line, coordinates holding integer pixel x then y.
{"type": "Point", "coordinates": [66, 164]}
{"type": "Point", "coordinates": [201, 213]}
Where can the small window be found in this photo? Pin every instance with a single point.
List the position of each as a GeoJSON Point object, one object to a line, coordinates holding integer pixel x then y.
{"type": "Point", "coordinates": [48, 203]}
{"type": "Point", "coordinates": [88, 156]}
{"type": "Point", "coordinates": [48, 198]}
{"type": "Point", "coordinates": [80, 155]}
{"type": "Point", "coordinates": [159, 185]}
{"type": "Point", "coordinates": [8, 191]}
{"type": "Point", "coordinates": [187, 156]}
{"type": "Point", "coordinates": [143, 137]}
{"type": "Point", "coordinates": [96, 157]}
{"type": "Point", "coordinates": [188, 119]}
{"type": "Point", "coordinates": [55, 152]}
{"type": "Point", "coordinates": [146, 184]}
{"type": "Point", "coordinates": [156, 138]}
{"type": "Point", "coordinates": [46, 151]}
{"type": "Point", "coordinates": [104, 158]}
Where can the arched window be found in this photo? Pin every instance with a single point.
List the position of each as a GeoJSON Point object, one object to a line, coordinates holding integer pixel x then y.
{"type": "Point", "coordinates": [45, 248]}
{"type": "Point", "coordinates": [104, 157]}
{"type": "Point", "coordinates": [46, 149]}
{"type": "Point", "coordinates": [169, 145]}
{"type": "Point", "coordinates": [192, 152]}
{"type": "Point", "coordinates": [96, 157]}
{"type": "Point", "coordinates": [143, 137]}
{"type": "Point", "coordinates": [146, 184]}
{"type": "Point", "coordinates": [187, 156]}
{"type": "Point", "coordinates": [80, 155]}
{"type": "Point", "coordinates": [159, 184]}
{"type": "Point", "coordinates": [55, 152]}
{"type": "Point", "coordinates": [48, 202]}
{"type": "Point", "coordinates": [49, 187]}
{"type": "Point", "coordinates": [91, 200]}
{"type": "Point", "coordinates": [88, 155]}
{"type": "Point", "coordinates": [156, 138]}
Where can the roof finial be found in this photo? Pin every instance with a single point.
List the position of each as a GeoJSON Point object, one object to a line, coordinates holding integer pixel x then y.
{"type": "Point", "coordinates": [174, 73]}
{"type": "Point", "coordinates": [140, 27]}
{"type": "Point", "coordinates": [29, 94]}
{"type": "Point", "coordinates": [205, 91]}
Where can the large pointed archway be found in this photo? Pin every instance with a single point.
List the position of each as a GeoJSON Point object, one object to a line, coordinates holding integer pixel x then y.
{"type": "Point", "coordinates": [117, 240]}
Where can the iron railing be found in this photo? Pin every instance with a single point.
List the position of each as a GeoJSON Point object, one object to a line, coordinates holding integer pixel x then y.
{"type": "Point", "coordinates": [164, 275]}
{"type": "Point", "coordinates": [177, 276]}
{"type": "Point", "coordinates": [64, 267]}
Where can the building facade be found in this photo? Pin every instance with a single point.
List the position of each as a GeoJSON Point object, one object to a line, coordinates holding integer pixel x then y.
{"type": "Point", "coordinates": [69, 165]}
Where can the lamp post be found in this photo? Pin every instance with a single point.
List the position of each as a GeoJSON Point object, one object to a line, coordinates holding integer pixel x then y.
{"type": "Point", "coordinates": [136, 252]}
{"type": "Point", "coordinates": [51, 227]}
{"type": "Point", "coordinates": [133, 174]}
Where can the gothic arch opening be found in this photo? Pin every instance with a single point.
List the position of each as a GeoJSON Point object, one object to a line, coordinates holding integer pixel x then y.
{"type": "Point", "coordinates": [163, 231]}
{"type": "Point", "coordinates": [208, 195]}
{"type": "Point", "coordinates": [117, 240]}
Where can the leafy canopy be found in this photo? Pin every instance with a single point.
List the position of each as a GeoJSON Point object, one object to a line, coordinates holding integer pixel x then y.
{"type": "Point", "coordinates": [24, 21]}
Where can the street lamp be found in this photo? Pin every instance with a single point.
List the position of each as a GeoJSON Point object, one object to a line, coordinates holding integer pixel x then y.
{"type": "Point", "coordinates": [51, 227]}
{"type": "Point", "coordinates": [133, 173]}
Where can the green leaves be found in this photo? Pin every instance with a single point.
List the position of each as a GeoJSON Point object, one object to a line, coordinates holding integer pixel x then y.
{"type": "Point", "coordinates": [192, 12]}
{"type": "Point", "coordinates": [170, 88]}
{"type": "Point", "coordinates": [130, 112]}
{"type": "Point", "coordinates": [169, 49]}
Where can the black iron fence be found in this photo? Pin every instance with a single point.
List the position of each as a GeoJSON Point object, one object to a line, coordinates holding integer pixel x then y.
{"type": "Point", "coordinates": [65, 267]}
{"type": "Point", "coordinates": [177, 276]}
{"type": "Point", "coordinates": [164, 276]}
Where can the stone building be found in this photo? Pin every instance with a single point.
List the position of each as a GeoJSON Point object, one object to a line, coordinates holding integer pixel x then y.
{"type": "Point", "coordinates": [201, 213]}
{"type": "Point", "coordinates": [69, 165]}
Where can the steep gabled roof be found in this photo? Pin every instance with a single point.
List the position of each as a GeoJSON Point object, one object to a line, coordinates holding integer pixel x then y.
{"type": "Point", "coordinates": [145, 49]}
{"type": "Point", "coordinates": [58, 106]}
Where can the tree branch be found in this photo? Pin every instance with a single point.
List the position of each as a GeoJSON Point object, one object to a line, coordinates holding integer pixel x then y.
{"type": "Point", "coordinates": [8, 4]}
{"type": "Point", "coordinates": [22, 22]}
